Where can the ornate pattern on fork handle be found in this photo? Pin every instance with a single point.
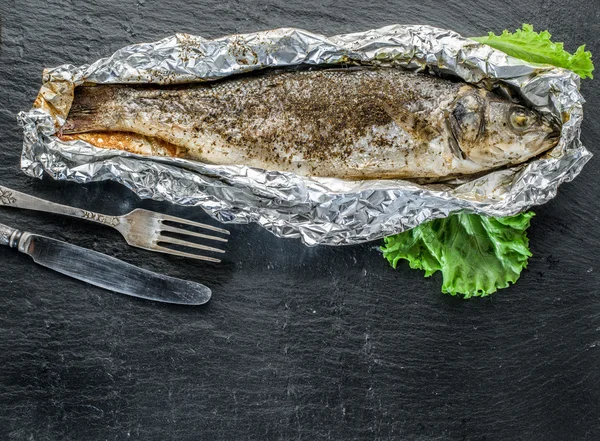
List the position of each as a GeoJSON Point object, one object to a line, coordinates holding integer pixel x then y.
{"type": "Point", "coordinates": [6, 197]}
{"type": "Point", "coordinates": [108, 220]}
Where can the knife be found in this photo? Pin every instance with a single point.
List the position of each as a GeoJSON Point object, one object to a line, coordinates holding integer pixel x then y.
{"type": "Point", "coordinates": [104, 271]}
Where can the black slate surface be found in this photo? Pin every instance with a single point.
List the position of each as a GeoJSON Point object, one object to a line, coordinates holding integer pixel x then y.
{"type": "Point", "coordinates": [297, 343]}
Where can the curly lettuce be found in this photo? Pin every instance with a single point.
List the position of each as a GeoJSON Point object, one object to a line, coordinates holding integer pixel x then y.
{"type": "Point", "coordinates": [476, 255]}
{"type": "Point", "coordinates": [535, 47]}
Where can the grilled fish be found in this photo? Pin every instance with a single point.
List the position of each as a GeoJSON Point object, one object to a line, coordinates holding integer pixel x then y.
{"type": "Point", "coordinates": [355, 123]}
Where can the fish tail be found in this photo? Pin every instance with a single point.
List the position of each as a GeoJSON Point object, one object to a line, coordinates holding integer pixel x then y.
{"type": "Point", "coordinates": [91, 110]}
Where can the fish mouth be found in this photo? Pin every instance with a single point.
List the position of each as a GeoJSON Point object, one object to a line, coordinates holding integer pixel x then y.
{"type": "Point", "coordinates": [551, 139]}
{"type": "Point", "coordinates": [554, 127]}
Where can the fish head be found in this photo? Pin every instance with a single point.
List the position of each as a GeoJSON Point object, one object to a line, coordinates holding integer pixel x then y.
{"type": "Point", "coordinates": [492, 132]}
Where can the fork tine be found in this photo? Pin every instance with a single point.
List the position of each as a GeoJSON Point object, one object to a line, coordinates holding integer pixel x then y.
{"type": "Point", "coordinates": [179, 220]}
{"type": "Point", "coordinates": [184, 254]}
{"type": "Point", "coordinates": [191, 233]}
{"type": "Point", "coordinates": [173, 241]}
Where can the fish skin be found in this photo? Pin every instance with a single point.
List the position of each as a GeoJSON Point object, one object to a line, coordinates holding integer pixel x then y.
{"type": "Point", "coordinates": [358, 123]}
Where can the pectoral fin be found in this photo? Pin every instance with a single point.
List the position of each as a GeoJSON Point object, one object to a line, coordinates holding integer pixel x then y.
{"type": "Point", "coordinates": [453, 142]}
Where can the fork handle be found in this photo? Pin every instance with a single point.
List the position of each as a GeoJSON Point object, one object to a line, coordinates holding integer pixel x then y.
{"type": "Point", "coordinates": [13, 198]}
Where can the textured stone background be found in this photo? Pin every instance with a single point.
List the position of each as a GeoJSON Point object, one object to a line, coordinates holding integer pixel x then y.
{"type": "Point", "coordinates": [297, 343]}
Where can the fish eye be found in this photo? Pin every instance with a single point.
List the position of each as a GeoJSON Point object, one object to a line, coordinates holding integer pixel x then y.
{"type": "Point", "coordinates": [522, 119]}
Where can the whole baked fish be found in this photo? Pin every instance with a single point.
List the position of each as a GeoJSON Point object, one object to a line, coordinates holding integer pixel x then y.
{"type": "Point", "coordinates": [356, 123]}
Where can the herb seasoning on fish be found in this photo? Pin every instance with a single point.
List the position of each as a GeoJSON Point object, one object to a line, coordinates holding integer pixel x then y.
{"type": "Point", "coordinates": [356, 123]}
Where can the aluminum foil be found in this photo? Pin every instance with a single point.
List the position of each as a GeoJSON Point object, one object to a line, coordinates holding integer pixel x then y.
{"type": "Point", "coordinates": [317, 210]}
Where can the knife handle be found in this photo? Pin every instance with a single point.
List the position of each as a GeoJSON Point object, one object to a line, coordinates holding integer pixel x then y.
{"type": "Point", "coordinates": [9, 236]}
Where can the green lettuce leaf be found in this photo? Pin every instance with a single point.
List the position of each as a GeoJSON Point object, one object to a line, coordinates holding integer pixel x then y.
{"type": "Point", "coordinates": [534, 47]}
{"type": "Point", "coordinates": [477, 255]}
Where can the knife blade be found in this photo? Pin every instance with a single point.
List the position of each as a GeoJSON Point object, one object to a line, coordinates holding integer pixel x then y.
{"type": "Point", "coordinates": [104, 271]}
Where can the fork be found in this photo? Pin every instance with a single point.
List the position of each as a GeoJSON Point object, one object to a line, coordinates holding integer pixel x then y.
{"type": "Point", "coordinates": [140, 228]}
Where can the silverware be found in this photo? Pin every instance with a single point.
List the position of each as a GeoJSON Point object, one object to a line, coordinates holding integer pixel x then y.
{"type": "Point", "coordinates": [140, 228]}
{"type": "Point", "coordinates": [104, 271]}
